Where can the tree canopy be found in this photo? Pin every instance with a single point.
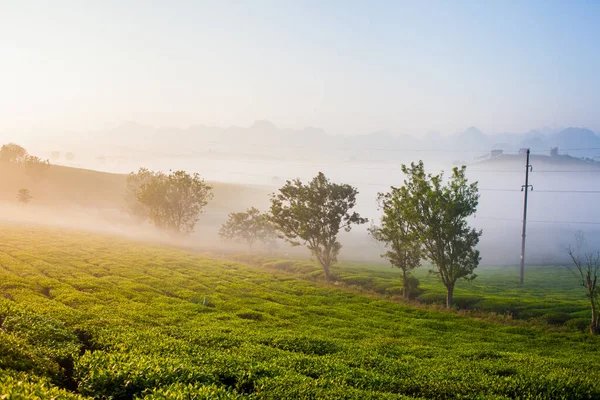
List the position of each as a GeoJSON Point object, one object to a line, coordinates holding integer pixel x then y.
{"type": "Point", "coordinates": [436, 213]}
{"type": "Point", "coordinates": [13, 154]}
{"type": "Point", "coordinates": [135, 180]}
{"type": "Point", "coordinates": [23, 196]}
{"type": "Point", "coordinates": [172, 202]}
{"type": "Point", "coordinates": [313, 214]}
{"type": "Point", "coordinates": [250, 226]}
{"type": "Point", "coordinates": [402, 243]}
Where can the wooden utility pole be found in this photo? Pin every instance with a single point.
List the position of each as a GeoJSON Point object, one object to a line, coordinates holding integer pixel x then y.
{"type": "Point", "coordinates": [525, 188]}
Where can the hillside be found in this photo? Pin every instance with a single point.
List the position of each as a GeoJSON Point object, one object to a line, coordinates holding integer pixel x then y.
{"type": "Point", "coordinates": [67, 187]}
{"type": "Point", "coordinates": [87, 316]}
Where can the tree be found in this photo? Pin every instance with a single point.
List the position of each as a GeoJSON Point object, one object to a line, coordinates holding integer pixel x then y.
{"type": "Point", "coordinates": [313, 215]}
{"type": "Point", "coordinates": [404, 247]}
{"type": "Point", "coordinates": [174, 201]}
{"type": "Point", "coordinates": [23, 196]}
{"type": "Point", "coordinates": [70, 156]}
{"type": "Point", "coordinates": [587, 267]}
{"type": "Point", "coordinates": [437, 214]}
{"type": "Point", "coordinates": [12, 153]}
{"type": "Point", "coordinates": [135, 181]}
{"type": "Point", "coordinates": [250, 226]}
{"type": "Point", "coordinates": [35, 167]}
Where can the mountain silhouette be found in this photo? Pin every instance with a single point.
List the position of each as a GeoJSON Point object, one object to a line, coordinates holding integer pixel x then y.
{"type": "Point", "coordinates": [264, 138]}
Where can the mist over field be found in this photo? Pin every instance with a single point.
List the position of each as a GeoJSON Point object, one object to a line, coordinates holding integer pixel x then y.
{"type": "Point", "coordinates": [248, 164]}
{"type": "Point", "coordinates": [290, 89]}
{"type": "Point", "coordinates": [279, 199]}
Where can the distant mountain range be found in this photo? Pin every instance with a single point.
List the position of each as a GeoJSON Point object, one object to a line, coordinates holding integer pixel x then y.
{"type": "Point", "coordinates": [264, 139]}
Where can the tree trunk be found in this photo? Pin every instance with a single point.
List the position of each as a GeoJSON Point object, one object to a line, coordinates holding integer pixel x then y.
{"type": "Point", "coordinates": [326, 269]}
{"type": "Point", "coordinates": [449, 294]}
{"type": "Point", "coordinates": [404, 285]}
{"type": "Point", "coordinates": [594, 323]}
{"type": "Point", "coordinates": [591, 287]}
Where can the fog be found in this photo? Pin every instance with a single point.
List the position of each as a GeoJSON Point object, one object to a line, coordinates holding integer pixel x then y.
{"type": "Point", "coordinates": [353, 91]}
{"type": "Point", "coordinates": [253, 162]}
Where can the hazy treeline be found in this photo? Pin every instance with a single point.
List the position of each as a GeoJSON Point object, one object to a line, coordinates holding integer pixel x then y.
{"type": "Point", "coordinates": [425, 219]}
{"type": "Point", "coordinates": [85, 195]}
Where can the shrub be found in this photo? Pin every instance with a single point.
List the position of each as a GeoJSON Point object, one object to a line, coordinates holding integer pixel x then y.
{"type": "Point", "coordinates": [17, 355]}
{"type": "Point", "coordinates": [394, 290]}
{"type": "Point", "coordinates": [194, 391]}
{"type": "Point", "coordinates": [121, 376]}
{"type": "Point", "coordinates": [579, 324]}
{"type": "Point", "coordinates": [251, 315]}
{"type": "Point", "coordinates": [304, 345]}
{"type": "Point", "coordinates": [20, 386]}
{"type": "Point", "coordinates": [556, 318]}
{"type": "Point", "coordinates": [413, 287]}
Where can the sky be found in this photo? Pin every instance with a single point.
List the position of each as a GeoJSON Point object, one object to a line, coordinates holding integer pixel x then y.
{"type": "Point", "coordinates": [345, 66]}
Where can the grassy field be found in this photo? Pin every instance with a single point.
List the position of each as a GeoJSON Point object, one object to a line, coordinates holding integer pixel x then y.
{"type": "Point", "coordinates": [550, 295]}
{"type": "Point", "coordinates": [89, 316]}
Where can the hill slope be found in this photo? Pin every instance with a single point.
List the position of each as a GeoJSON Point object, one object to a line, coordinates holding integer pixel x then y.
{"type": "Point", "coordinates": [85, 315]}
{"type": "Point", "coordinates": [68, 187]}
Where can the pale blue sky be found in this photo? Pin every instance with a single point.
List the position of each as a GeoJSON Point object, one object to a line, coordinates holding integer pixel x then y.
{"type": "Point", "coordinates": [345, 66]}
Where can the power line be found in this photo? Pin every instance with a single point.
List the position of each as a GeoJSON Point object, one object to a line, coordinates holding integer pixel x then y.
{"type": "Point", "coordinates": [541, 221]}
{"type": "Point", "coordinates": [498, 218]}
{"type": "Point", "coordinates": [542, 191]}
{"type": "Point", "coordinates": [497, 190]}
{"type": "Point", "coordinates": [570, 170]}
{"type": "Point", "coordinates": [536, 171]}
{"type": "Point", "coordinates": [568, 222]}
{"type": "Point", "coordinates": [568, 191]}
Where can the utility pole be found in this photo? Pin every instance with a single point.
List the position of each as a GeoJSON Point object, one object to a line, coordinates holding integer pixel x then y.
{"type": "Point", "coordinates": [525, 188]}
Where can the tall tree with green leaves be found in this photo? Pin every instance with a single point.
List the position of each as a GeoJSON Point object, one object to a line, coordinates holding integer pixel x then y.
{"type": "Point", "coordinates": [250, 226]}
{"type": "Point", "coordinates": [437, 212]}
{"type": "Point", "coordinates": [312, 214]}
{"type": "Point", "coordinates": [175, 201]}
{"type": "Point", "coordinates": [404, 247]}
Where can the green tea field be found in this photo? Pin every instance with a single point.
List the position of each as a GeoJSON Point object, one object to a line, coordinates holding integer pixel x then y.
{"type": "Point", "coordinates": [88, 316]}
{"type": "Point", "coordinates": [551, 295]}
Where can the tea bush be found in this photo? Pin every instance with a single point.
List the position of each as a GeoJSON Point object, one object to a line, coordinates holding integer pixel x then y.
{"type": "Point", "coordinates": [89, 316]}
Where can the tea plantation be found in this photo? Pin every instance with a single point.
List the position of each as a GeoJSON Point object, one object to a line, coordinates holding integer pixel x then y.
{"type": "Point", "coordinates": [86, 316]}
{"type": "Point", "coordinates": [551, 295]}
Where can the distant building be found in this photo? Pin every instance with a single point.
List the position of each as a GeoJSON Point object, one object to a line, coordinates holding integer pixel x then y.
{"type": "Point", "coordinates": [554, 151]}
{"type": "Point", "coordinates": [523, 150]}
{"type": "Point", "coordinates": [496, 153]}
